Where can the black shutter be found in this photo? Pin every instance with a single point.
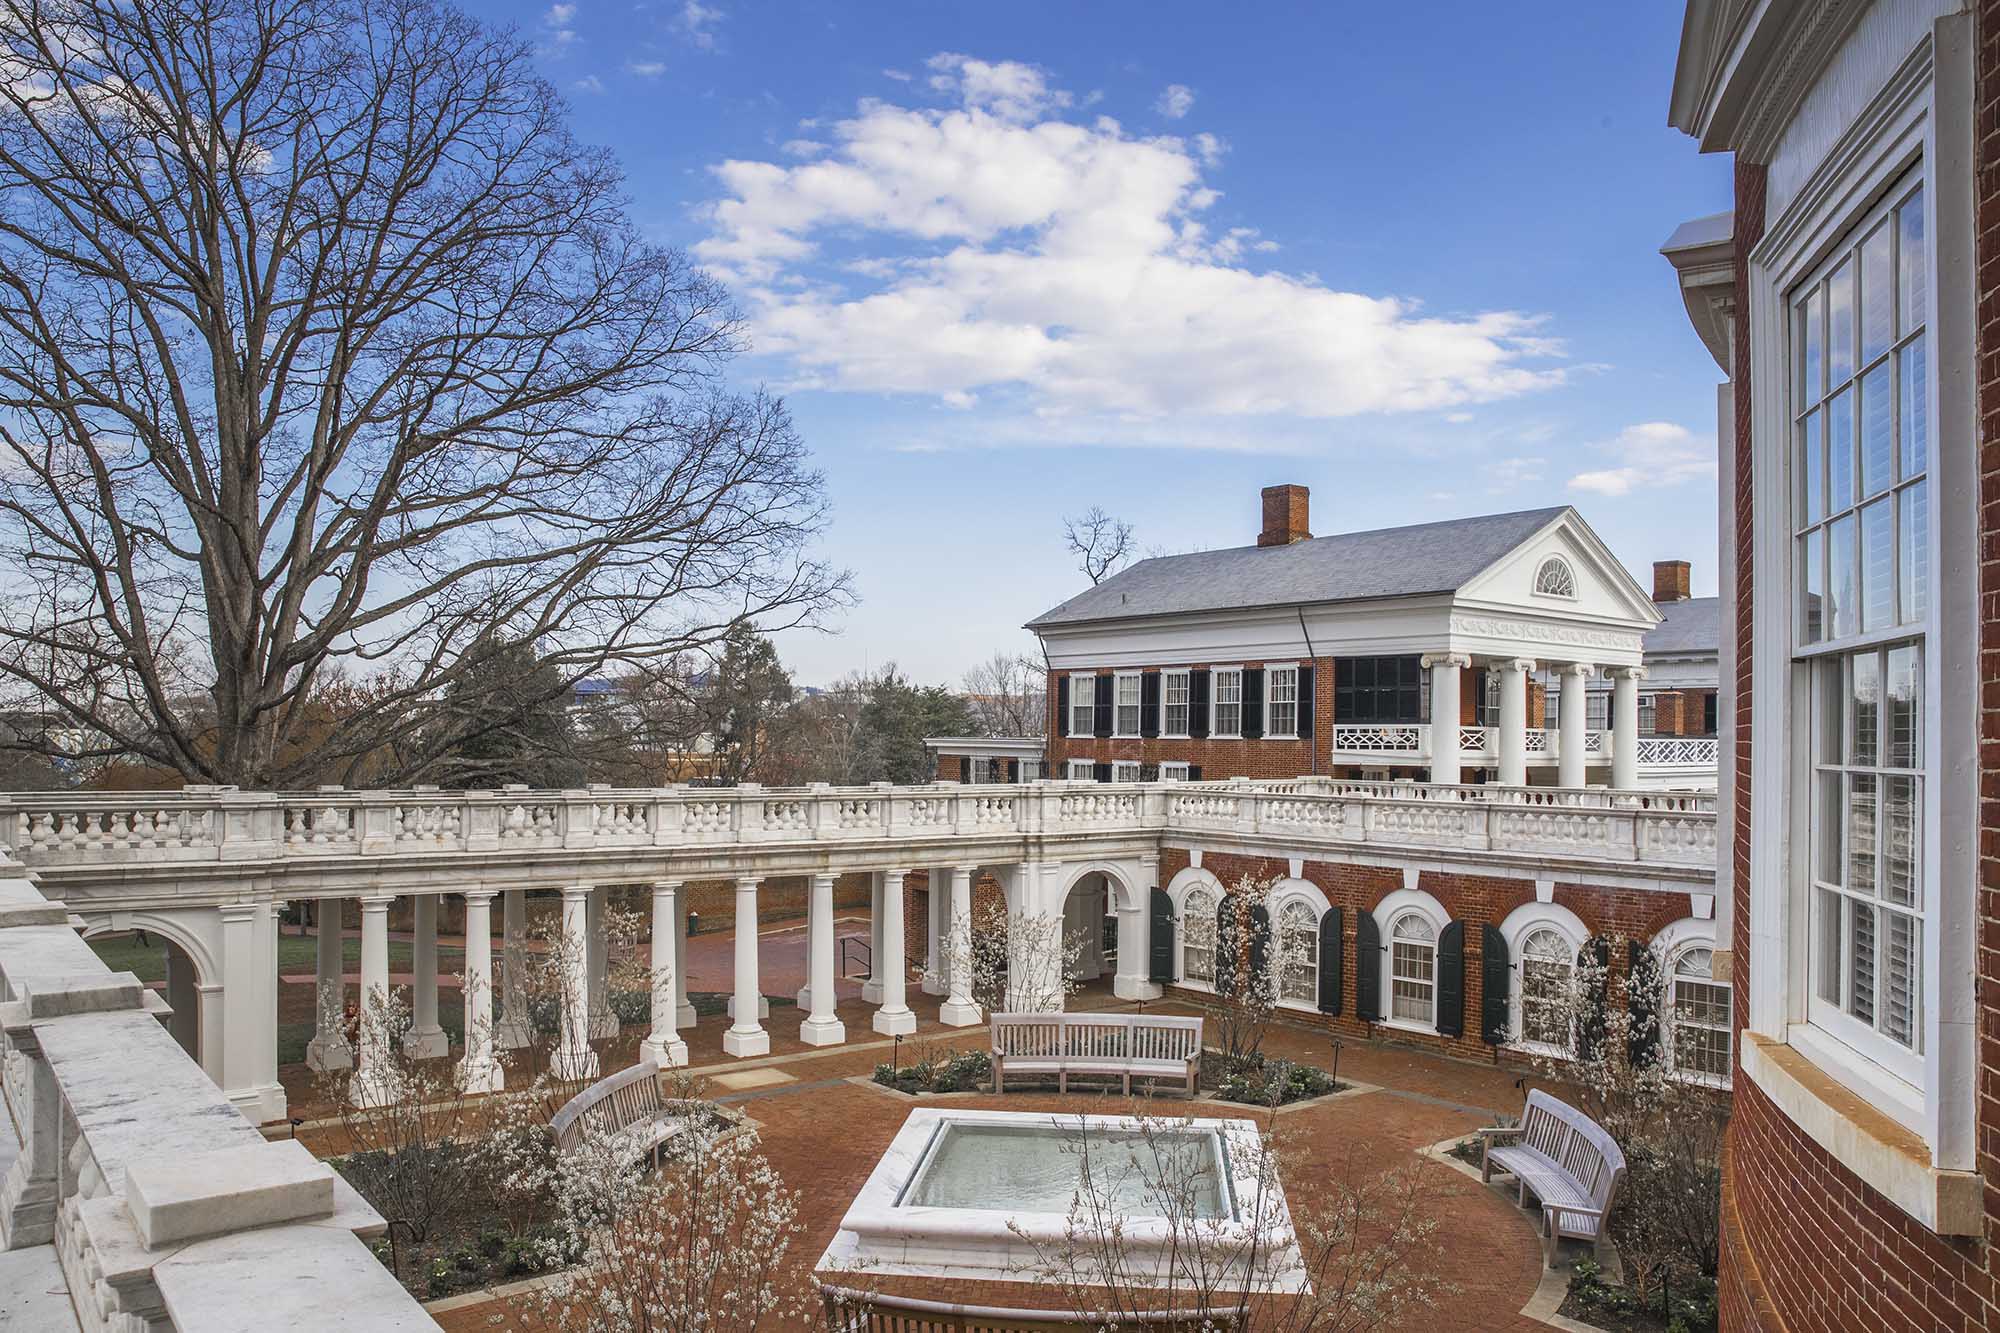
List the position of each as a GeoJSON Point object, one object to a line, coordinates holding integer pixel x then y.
{"type": "Point", "coordinates": [1367, 968]}
{"type": "Point", "coordinates": [1013, 770]}
{"type": "Point", "coordinates": [1198, 703]}
{"type": "Point", "coordinates": [1495, 986]}
{"type": "Point", "coordinates": [1149, 704]}
{"type": "Point", "coordinates": [1100, 715]}
{"type": "Point", "coordinates": [1225, 946]}
{"type": "Point", "coordinates": [1160, 957]}
{"type": "Point", "coordinates": [1260, 941]}
{"type": "Point", "coordinates": [1305, 701]}
{"type": "Point", "coordinates": [1149, 772]}
{"type": "Point", "coordinates": [1062, 707]}
{"type": "Point", "coordinates": [1642, 1004]}
{"type": "Point", "coordinates": [1253, 703]}
{"type": "Point", "coordinates": [1194, 773]}
{"type": "Point", "coordinates": [1102, 773]}
{"type": "Point", "coordinates": [1451, 980]}
{"type": "Point", "coordinates": [1329, 962]}
{"type": "Point", "coordinates": [1591, 1022]}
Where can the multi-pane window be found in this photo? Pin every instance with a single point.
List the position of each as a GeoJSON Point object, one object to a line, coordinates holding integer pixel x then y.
{"type": "Point", "coordinates": [1227, 687]}
{"type": "Point", "coordinates": [1597, 710]}
{"type": "Point", "coordinates": [1378, 689]}
{"type": "Point", "coordinates": [1173, 772]}
{"type": "Point", "coordinates": [1174, 703]}
{"type": "Point", "coordinates": [1125, 713]}
{"type": "Point", "coordinates": [1649, 717]}
{"type": "Point", "coordinates": [1125, 771]}
{"type": "Point", "coordinates": [1555, 578]}
{"type": "Point", "coordinates": [1413, 970]}
{"type": "Point", "coordinates": [1298, 953]}
{"type": "Point", "coordinates": [1548, 973]}
{"type": "Point", "coordinates": [1031, 770]}
{"type": "Point", "coordinates": [1698, 1010]}
{"type": "Point", "coordinates": [980, 770]}
{"type": "Point", "coordinates": [1861, 519]}
{"type": "Point", "coordinates": [1281, 701]}
{"type": "Point", "coordinates": [1082, 705]}
{"type": "Point", "coordinates": [1198, 937]}
{"type": "Point", "coordinates": [1082, 770]}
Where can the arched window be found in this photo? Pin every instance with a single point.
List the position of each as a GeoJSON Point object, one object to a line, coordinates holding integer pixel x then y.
{"type": "Point", "coordinates": [1198, 937]}
{"type": "Point", "coordinates": [1698, 1013]}
{"type": "Point", "coordinates": [1413, 970]}
{"type": "Point", "coordinates": [1298, 953]}
{"type": "Point", "coordinates": [1555, 578]}
{"type": "Point", "coordinates": [1548, 971]}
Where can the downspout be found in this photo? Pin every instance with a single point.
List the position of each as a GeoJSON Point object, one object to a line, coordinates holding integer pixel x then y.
{"type": "Point", "coordinates": [1312, 747]}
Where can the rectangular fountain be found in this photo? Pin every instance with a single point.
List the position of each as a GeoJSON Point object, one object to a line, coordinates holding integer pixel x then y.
{"type": "Point", "coordinates": [971, 1194]}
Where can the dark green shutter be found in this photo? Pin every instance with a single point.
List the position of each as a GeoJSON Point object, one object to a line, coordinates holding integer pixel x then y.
{"type": "Point", "coordinates": [1260, 940]}
{"type": "Point", "coordinates": [1149, 772]}
{"type": "Point", "coordinates": [1253, 703]}
{"type": "Point", "coordinates": [1149, 704]}
{"type": "Point", "coordinates": [1062, 707]}
{"type": "Point", "coordinates": [1329, 961]}
{"type": "Point", "coordinates": [1225, 945]}
{"type": "Point", "coordinates": [1305, 701]}
{"type": "Point", "coordinates": [1495, 987]}
{"type": "Point", "coordinates": [1013, 770]}
{"type": "Point", "coordinates": [1160, 956]}
{"type": "Point", "coordinates": [1590, 1023]}
{"type": "Point", "coordinates": [1194, 772]}
{"type": "Point", "coordinates": [1642, 1003]}
{"type": "Point", "coordinates": [1367, 968]}
{"type": "Point", "coordinates": [1451, 980]}
{"type": "Point", "coordinates": [1198, 703]}
{"type": "Point", "coordinates": [1100, 716]}
{"type": "Point", "coordinates": [1102, 772]}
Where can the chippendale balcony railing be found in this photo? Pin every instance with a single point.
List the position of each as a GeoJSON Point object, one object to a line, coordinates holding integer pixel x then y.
{"type": "Point", "coordinates": [225, 825]}
{"type": "Point", "coordinates": [1411, 743]}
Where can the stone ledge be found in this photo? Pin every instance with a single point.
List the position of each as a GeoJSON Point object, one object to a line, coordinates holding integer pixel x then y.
{"type": "Point", "coordinates": [61, 997]}
{"type": "Point", "coordinates": [1884, 1155]}
{"type": "Point", "coordinates": [238, 1188]}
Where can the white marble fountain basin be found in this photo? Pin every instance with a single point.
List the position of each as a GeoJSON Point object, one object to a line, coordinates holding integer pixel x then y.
{"type": "Point", "coordinates": [965, 1193]}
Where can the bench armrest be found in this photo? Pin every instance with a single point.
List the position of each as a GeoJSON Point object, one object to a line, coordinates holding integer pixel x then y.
{"type": "Point", "coordinates": [1498, 1133]}
{"type": "Point", "coordinates": [1581, 1210]}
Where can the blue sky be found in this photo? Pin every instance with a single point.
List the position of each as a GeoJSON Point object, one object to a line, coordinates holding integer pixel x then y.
{"type": "Point", "coordinates": [1010, 261]}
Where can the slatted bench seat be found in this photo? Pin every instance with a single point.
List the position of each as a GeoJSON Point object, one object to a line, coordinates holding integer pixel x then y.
{"type": "Point", "coordinates": [1566, 1160]}
{"type": "Point", "coordinates": [625, 1108]}
{"type": "Point", "coordinates": [868, 1312]}
{"type": "Point", "coordinates": [1123, 1046]}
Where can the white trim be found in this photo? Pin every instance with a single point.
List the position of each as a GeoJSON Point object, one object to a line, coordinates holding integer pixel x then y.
{"type": "Point", "coordinates": [1089, 767]}
{"type": "Point", "coordinates": [1178, 889]}
{"type": "Point", "coordinates": [1138, 704]}
{"type": "Point", "coordinates": [1214, 675]}
{"type": "Point", "coordinates": [1298, 684]}
{"type": "Point", "coordinates": [1126, 770]}
{"type": "Point", "coordinates": [1187, 677]}
{"type": "Point", "coordinates": [1175, 771]}
{"type": "Point", "coordinates": [1519, 924]}
{"type": "Point", "coordinates": [1392, 908]}
{"type": "Point", "coordinates": [1069, 722]}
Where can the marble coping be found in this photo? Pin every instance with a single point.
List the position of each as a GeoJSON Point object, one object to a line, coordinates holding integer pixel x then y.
{"type": "Point", "coordinates": [261, 1184]}
{"type": "Point", "coordinates": [246, 1283]}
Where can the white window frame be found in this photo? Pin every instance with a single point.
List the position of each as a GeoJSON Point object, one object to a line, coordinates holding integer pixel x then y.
{"type": "Point", "coordinates": [1177, 772]}
{"type": "Point", "coordinates": [1516, 929]}
{"type": "Point", "coordinates": [1089, 773]}
{"type": "Point", "coordinates": [1215, 731]}
{"type": "Point", "coordinates": [1900, 130]}
{"type": "Point", "coordinates": [1557, 561]}
{"type": "Point", "coordinates": [979, 769]}
{"type": "Point", "coordinates": [1125, 770]}
{"type": "Point", "coordinates": [1079, 683]}
{"type": "Point", "coordinates": [1212, 897]}
{"type": "Point", "coordinates": [1272, 671]}
{"type": "Point", "coordinates": [1387, 912]}
{"type": "Point", "coordinates": [1119, 706]}
{"type": "Point", "coordinates": [1185, 677]}
{"type": "Point", "coordinates": [1293, 907]}
{"type": "Point", "coordinates": [1670, 1022]}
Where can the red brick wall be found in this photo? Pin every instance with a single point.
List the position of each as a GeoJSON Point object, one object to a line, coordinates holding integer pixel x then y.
{"type": "Point", "coordinates": [1218, 759]}
{"type": "Point", "coordinates": [1474, 899]}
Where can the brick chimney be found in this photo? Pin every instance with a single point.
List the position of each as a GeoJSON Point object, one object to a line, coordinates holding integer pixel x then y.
{"type": "Point", "coordinates": [1285, 516]}
{"type": "Point", "coordinates": [1671, 581]}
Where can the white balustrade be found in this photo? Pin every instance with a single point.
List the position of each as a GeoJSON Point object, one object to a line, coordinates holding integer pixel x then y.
{"type": "Point", "coordinates": [1407, 741]}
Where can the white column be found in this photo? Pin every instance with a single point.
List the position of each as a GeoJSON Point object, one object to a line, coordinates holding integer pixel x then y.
{"type": "Point", "coordinates": [871, 989]}
{"type": "Point", "coordinates": [937, 911]}
{"type": "Point", "coordinates": [1134, 979]}
{"type": "Point", "coordinates": [573, 1059]}
{"type": "Point", "coordinates": [328, 1050]}
{"type": "Point", "coordinates": [374, 1081]}
{"type": "Point", "coordinates": [1447, 762]}
{"type": "Point", "coordinates": [891, 967]}
{"type": "Point", "coordinates": [603, 1023]}
{"type": "Point", "coordinates": [821, 1027]}
{"type": "Point", "coordinates": [514, 1030]}
{"type": "Point", "coordinates": [959, 1010]}
{"type": "Point", "coordinates": [479, 1071]}
{"type": "Point", "coordinates": [746, 1037]}
{"type": "Point", "coordinates": [1571, 758]}
{"type": "Point", "coordinates": [804, 997]}
{"type": "Point", "coordinates": [1514, 720]}
{"type": "Point", "coordinates": [1625, 726]}
{"type": "Point", "coordinates": [663, 1045]}
{"type": "Point", "coordinates": [250, 1003]}
{"type": "Point", "coordinates": [425, 1040]}
{"type": "Point", "coordinates": [684, 1015]}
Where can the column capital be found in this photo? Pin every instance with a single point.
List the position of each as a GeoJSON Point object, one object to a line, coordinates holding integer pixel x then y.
{"type": "Point", "coordinates": [484, 897]}
{"type": "Point", "coordinates": [826, 876]}
{"type": "Point", "coordinates": [1522, 664]}
{"type": "Point", "coordinates": [1462, 661]}
{"type": "Point", "coordinates": [1581, 670]}
{"type": "Point", "coordinates": [965, 870]}
{"type": "Point", "coordinates": [376, 902]}
{"type": "Point", "coordinates": [895, 873]}
{"type": "Point", "coordinates": [668, 885]}
{"type": "Point", "coordinates": [571, 892]}
{"type": "Point", "coordinates": [1626, 672]}
{"type": "Point", "coordinates": [748, 883]}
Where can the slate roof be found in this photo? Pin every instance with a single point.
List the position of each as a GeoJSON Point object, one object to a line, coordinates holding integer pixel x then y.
{"type": "Point", "coordinates": [1693, 626]}
{"type": "Point", "coordinates": [1344, 567]}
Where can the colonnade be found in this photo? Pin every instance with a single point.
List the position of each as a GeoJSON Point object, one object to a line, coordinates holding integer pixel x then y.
{"type": "Point", "coordinates": [1447, 672]}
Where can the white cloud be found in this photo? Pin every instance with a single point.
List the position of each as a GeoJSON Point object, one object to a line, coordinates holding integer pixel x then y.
{"type": "Point", "coordinates": [698, 22]}
{"type": "Point", "coordinates": [558, 30]}
{"type": "Point", "coordinates": [899, 75]}
{"type": "Point", "coordinates": [998, 248]}
{"type": "Point", "coordinates": [1653, 453]}
{"type": "Point", "coordinates": [1504, 474]}
{"type": "Point", "coordinates": [646, 69]}
{"type": "Point", "coordinates": [801, 148]}
{"type": "Point", "coordinates": [1175, 101]}
{"type": "Point", "coordinates": [589, 83]}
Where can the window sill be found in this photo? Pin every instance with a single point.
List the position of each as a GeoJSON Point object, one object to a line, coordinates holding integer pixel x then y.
{"type": "Point", "coordinates": [1888, 1158]}
{"type": "Point", "coordinates": [1405, 1025]}
{"type": "Point", "coordinates": [1539, 1049]}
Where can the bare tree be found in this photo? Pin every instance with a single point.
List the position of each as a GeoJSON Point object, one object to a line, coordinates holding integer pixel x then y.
{"type": "Point", "coordinates": [323, 343]}
{"type": "Point", "coordinates": [1008, 694]}
{"type": "Point", "coordinates": [1100, 543]}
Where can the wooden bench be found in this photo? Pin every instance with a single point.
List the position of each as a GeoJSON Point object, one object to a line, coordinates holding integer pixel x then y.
{"type": "Point", "coordinates": [850, 1311]}
{"type": "Point", "coordinates": [1125, 1046]}
{"type": "Point", "coordinates": [625, 1107]}
{"type": "Point", "coordinates": [1566, 1160]}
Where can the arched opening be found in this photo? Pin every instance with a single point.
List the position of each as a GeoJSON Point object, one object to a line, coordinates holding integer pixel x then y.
{"type": "Point", "coordinates": [165, 965]}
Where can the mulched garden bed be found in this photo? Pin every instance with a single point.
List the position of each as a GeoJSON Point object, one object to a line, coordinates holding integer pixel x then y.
{"type": "Point", "coordinates": [1616, 1309]}
{"type": "Point", "coordinates": [952, 1071]}
{"type": "Point", "coordinates": [1258, 1081]}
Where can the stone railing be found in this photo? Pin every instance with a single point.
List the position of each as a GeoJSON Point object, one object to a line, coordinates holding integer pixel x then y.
{"type": "Point", "coordinates": [1404, 740]}
{"type": "Point", "coordinates": [1680, 751]}
{"type": "Point", "coordinates": [166, 1209]}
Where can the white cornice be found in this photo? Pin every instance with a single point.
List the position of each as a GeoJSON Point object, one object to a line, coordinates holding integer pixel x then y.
{"type": "Point", "coordinates": [1745, 65]}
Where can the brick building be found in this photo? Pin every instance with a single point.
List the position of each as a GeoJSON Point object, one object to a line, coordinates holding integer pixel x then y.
{"type": "Point", "coordinates": [1852, 298]}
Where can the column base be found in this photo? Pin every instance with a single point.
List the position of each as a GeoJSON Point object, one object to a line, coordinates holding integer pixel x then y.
{"type": "Point", "coordinates": [805, 997]}
{"type": "Point", "coordinates": [746, 1042]}
{"type": "Point", "coordinates": [603, 1025]}
{"type": "Point", "coordinates": [329, 1055]}
{"type": "Point", "coordinates": [871, 991]}
{"type": "Point", "coordinates": [666, 1054]}
{"type": "Point", "coordinates": [955, 1015]}
{"type": "Point", "coordinates": [1136, 988]}
{"type": "Point", "coordinates": [763, 1008]}
{"type": "Point", "coordinates": [27, 1209]}
{"type": "Point", "coordinates": [481, 1075]}
{"type": "Point", "coordinates": [684, 1016]}
{"type": "Point", "coordinates": [934, 985]}
{"type": "Point", "coordinates": [372, 1088]}
{"type": "Point", "coordinates": [823, 1032]}
{"type": "Point", "coordinates": [259, 1105]}
{"type": "Point", "coordinates": [512, 1035]}
{"type": "Point", "coordinates": [426, 1043]}
{"type": "Point", "coordinates": [897, 1022]}
{"type": "Point", "coordinates": [579, 1066]}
